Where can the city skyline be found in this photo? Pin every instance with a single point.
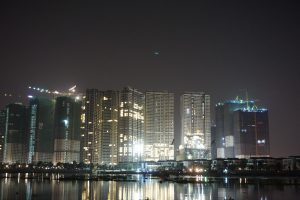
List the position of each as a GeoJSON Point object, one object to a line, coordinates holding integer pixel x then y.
{"type": "Point", "coordinates": [98, 96]}
{"type": "Point", "coordinates": [215, 47]}
{"type": "Point", "coordinates": [112, 127]}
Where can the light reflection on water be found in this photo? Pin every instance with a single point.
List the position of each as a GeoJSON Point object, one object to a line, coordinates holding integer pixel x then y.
{"type": "Point", "coordinates": [16, 188]}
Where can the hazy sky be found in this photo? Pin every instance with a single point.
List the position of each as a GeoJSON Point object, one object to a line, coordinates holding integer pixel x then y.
{"type": "Point", "coordinates": [220, 47]}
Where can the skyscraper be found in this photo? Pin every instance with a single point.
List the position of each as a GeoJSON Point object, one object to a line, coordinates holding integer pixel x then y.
{"type": "Point", "coordinates": [41, 130]}
{"type": "Point", "coordinates": [195, 125]}
{"type": "Point", "coordinates": [224, 126]}
{"type": "Point", "coordinates": [159, 126]}
{"type": "Point", "coordinates": [109, 127]}
{"type": "Point", "coordinates": [101, 127]}
{"type": "Point", "coordinates": [15, 134]}
{"type": "Point", "coordinates": [131, 125]}
{"type": "Point", "coordinates": [251, 133]}
{"type": "Point", "coordinates": [241, 130]}
{"type": "Point", "coordinates": [67, 130]}
{"type": "Point", "coordinates": [2, 133]}
{"type": "Point", "coordinates": [213, 141]}
{"type": "Point", "coordinates": [92, 117]}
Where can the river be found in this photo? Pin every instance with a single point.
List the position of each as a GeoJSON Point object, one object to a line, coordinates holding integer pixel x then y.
{"type": "Point", "coordinates": [154, 189]}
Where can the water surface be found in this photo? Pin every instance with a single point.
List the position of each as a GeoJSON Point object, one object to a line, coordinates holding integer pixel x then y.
{"type": "Point", "coordinates": [238, 188]}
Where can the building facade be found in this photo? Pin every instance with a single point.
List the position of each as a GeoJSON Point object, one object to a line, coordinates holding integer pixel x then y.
{"type": "Point", "coordinates": [159, 126]}
{"type": "Point", "coordinates": [92, 117]}
{"type": "Point", "coordinates": [224, 126]}
{"type": "Point", "coordinates": [231, 118]}
{"type": "Point", "coordinates": [2, 132]}
{"type": "Point", "coordinates": [109, 127]}
{"type": "Point", "coordinates": [67, 130]}
{"type": "Point", "coordinates": [15, 145]}
{"type": "Point", "coordinates": [131, 125]}
{"type": "Point", "coordinates": [195, 125]}
{"type": "Point", "coordinates": [251, 133]}
{"type": "Point", "coordinates": [41, 130]}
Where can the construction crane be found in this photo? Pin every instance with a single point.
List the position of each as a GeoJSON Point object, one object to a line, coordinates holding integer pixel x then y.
{"type": "Point", "coordinates": [70, 92]}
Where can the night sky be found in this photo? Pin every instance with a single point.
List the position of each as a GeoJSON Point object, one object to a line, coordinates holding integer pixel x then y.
{"type": "Point", "coordinates": [220, 47]}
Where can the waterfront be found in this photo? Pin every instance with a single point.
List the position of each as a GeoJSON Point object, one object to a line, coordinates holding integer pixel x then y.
{"type": "Point", "coordinates": [236, 188]}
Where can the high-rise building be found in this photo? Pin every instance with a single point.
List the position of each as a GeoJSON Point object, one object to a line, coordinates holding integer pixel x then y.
{"type": "Point", "coordinates": [15, 134]}
{"type": "Point", "coordinates": [109, 127]}
{"type": "Point", "coordinates": [67, 130]}
{"type": "Point", "coordinates": [213, 141]}
{"type": "Point", "coordinates": [195, 125]}
{"type": "Point", "coordinates": [159, 126]}
{"type": "Point", "coordinates": [131, 125]}
{"type": "Point", "coordinates": [231, 118]}
{"type": "Point", "coordinates": [101, 127]}
{"type": "Point", "coordinates": [82, 130]}
{"type": "Point", "coordinates": [251, 133]}
{"type": "Point", "coordinates": [92, 117]}
{"type": "Point", "coordinates": [2, 133]}
{"type": "Point", "coordinates": [41, 130]}
{"type": "Point", "coordinates": [224, 126]}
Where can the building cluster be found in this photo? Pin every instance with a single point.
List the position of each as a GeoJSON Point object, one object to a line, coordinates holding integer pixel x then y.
{"type": "Point", "coordinates": [113, 127]}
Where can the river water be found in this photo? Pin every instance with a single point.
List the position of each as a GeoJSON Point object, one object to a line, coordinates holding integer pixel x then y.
{"type": "Point", "coordinates": [238, 188]}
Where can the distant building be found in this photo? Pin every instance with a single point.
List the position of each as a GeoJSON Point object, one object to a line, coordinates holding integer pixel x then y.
{"type": "Point", "coordinates": [195, 126]}
{"type": "Point", "coordinates": [92, 116]}
{"type": "Point", "coordinates": [224, 126]}
{"type": "Point", "coordinates": [41, 130]}
{"type": "Point", "coordinates": [100, 127]}
{"type": "Point", "coordinates": [2, 132]}
{"type": "Point", "coordinates": [131, 125]}
{"type": "Point", "coordinates": [213, 141]}
{"type": "Point", "coordinates": [15, 134]}
{"type": "Point", "coordinates": [234, 119]}
{"type": "Point", "coordinates": [159, 126]}
{"type": "Point", "coordinates": [109, 127]}
{"type": "Point", "coordinates": [251, 133]}
{"type": "Point", "coordinates": [67, 130]}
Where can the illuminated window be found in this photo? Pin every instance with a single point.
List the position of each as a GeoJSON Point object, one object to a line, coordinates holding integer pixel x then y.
{"type": "Point", "coordinates": [187, 111]}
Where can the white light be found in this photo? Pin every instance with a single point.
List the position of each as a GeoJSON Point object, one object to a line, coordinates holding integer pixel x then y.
{"type": "Point", "coordinates": [66, 122]}
{"type": "Point", "coordinates": [187, 111]}
{"type": "Point", "coordinates": [30, 96]}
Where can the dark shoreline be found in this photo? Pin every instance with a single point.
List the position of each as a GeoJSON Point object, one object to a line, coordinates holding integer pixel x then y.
{"type": "Point", "coordinates": [253, 178]}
